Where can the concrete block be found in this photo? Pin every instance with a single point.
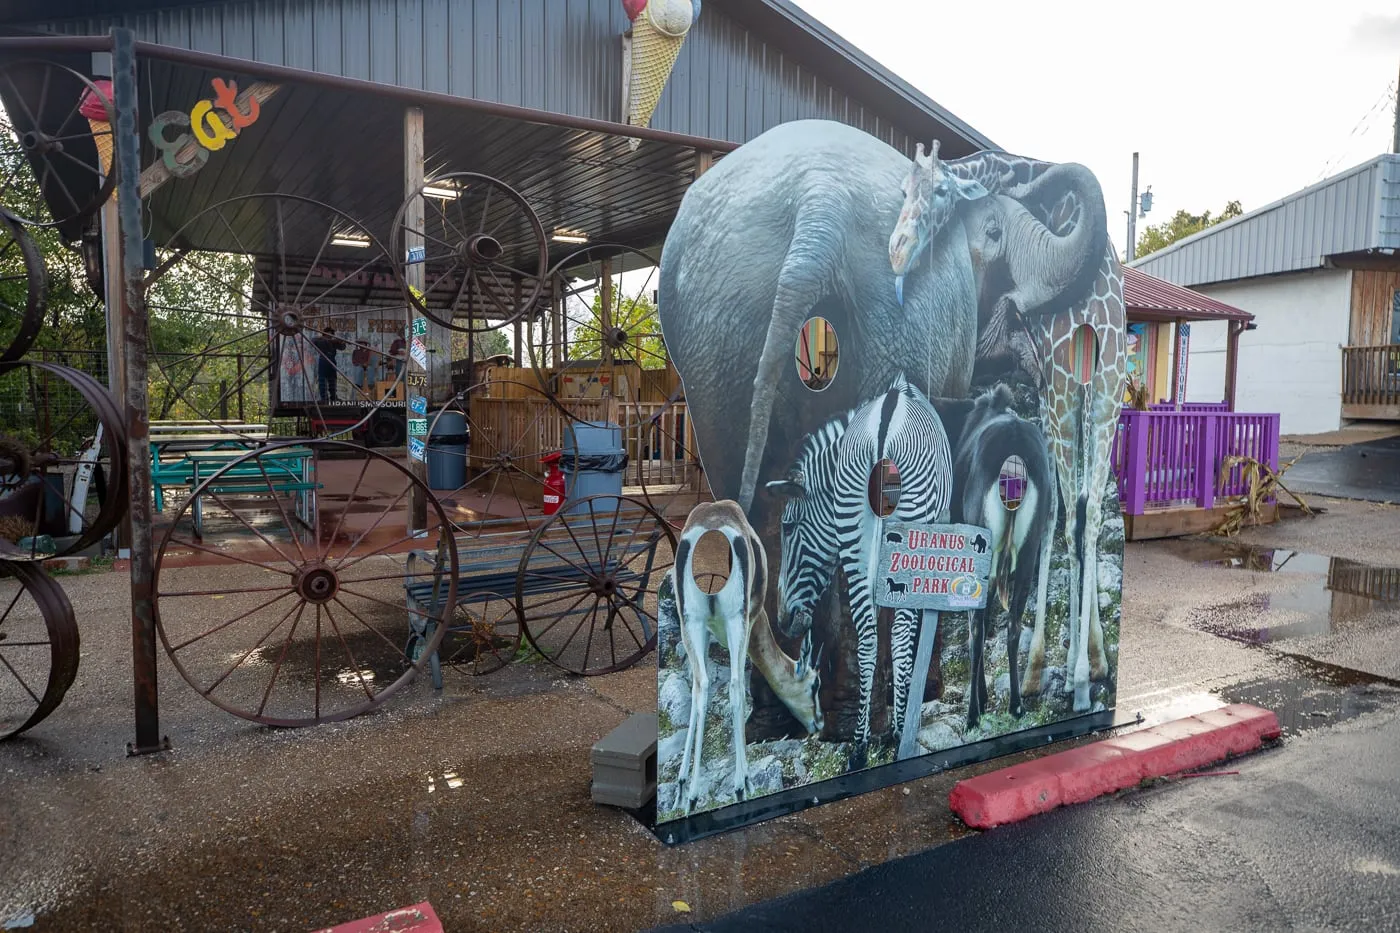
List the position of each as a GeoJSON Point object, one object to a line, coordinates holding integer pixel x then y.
{"type": "Point", "coordinates": [624, 763]}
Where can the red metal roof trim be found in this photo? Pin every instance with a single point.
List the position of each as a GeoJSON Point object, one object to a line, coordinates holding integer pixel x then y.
{"type": "Point", "coordinates": [1148, 296]}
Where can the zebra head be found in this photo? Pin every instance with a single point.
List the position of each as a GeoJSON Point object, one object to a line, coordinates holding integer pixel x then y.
{"type": "Point", "coordinates": [808, 542]}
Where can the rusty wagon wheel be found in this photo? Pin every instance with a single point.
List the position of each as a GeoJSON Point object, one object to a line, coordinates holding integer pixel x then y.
{"type": "Point", "coordinates": [63, 478]}
{"type": "Point", "coordinates": [291, 608]}
{"type": "Point", "coordinates": [483, 252]}
{"type": "Point", "coordinates": [619, 352]}
{"type": "Point", "coordinates": [258, 302]}
{"type": "Point", "coordinates": [38, 647]}
{"type": "Point", "coordinates": [60, 126]}
{"type": "Point", "coordinates": [505, 429]}
{"type": "Point", "coordinates": [586, 587]}
{"type": "Point", "coordinates": [23, 289]}
{"type": "Point", "coordinates": [483, 635]}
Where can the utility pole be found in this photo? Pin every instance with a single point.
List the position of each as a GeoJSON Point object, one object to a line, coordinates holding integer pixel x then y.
{"type": "Point", "coordinates": [1132, 213]}
{"type": "Point", "coordinates": [1395, 140]}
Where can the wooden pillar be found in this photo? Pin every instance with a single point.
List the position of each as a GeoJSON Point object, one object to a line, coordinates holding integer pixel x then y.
{"type": "Point", "coordinates": [555, 302]}
{"type": "Point", "coordinates": [703, 161]}
{"type": "Point", "coordinates": [418, 379]}
{"type": "Point", "coordinates": [1232, 362]}
{"type": "Point", "coordinates": [519, 297]}
{"type": "Point", "coordinates": [606, 322]}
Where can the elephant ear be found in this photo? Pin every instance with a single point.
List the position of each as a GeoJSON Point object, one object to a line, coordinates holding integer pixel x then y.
{"type": "Point", "coordinates": [970, 189]}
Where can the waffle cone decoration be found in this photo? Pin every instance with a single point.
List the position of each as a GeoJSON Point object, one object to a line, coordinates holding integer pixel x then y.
{"type": "Point", "coordinates": [95, 111]}
{"type": "Point", "coordinates": [659, 28]}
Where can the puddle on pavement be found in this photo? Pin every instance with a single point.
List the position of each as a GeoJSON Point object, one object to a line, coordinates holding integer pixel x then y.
{"type": "Point", "coordinates": [1327, 592]}
{"type": "Point", "coordinates": [1337, 589]}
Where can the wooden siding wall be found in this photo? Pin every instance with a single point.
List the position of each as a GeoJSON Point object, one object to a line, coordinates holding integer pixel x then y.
{"type": "Point", "coordinates": [1372, 303]}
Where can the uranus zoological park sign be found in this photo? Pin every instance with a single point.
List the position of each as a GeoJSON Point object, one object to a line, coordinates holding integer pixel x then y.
{"type": "Point", "coordinates": [904, 378]}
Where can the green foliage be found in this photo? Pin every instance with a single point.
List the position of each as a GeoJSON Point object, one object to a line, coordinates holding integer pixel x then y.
{"type": "Point", "coordinates": [1182, 225]}
{"type": "Point", "coordinates": [635, 314]}
{"type": "Point", "coordinates": [484, 344]}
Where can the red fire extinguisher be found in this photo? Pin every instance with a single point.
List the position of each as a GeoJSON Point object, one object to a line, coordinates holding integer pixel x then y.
{"type": "Point", "coordinates": [554, 488]}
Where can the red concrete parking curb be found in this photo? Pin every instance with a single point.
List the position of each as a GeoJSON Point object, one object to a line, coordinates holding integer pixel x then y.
{"type": "Point", "coordinates": [1081, 774]}
{"type": "Point", "coordinates": [420, 918]}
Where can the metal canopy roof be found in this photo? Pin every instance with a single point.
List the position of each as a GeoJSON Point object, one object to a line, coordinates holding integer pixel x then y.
{"type": "Point", "coordinates": [1149, 298]}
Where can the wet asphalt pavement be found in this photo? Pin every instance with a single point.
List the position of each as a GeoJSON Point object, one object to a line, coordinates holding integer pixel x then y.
{"type": "Point", "coordinates": [1368, 471]}
{"type": "Point", "coordinates": [1305, 837]}
{"type": "Point", "coordinates": [477, 799]}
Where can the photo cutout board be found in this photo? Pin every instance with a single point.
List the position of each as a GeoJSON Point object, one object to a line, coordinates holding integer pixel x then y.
{"type": "Point", "coordinates": [904, 379]}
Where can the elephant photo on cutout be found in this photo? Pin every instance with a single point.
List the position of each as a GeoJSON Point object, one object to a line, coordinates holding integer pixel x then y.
{"type": "Point", "coordinates": [951, 275]}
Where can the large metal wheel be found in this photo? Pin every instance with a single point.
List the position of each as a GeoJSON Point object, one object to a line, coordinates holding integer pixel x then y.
{"type": "Point", "coordinates": [484, 252]}
{"type": "Point", "coordinates": [63, 479]}
{"type": "Point", "coordinates": [38, 647]}
{"type": "Point", "coordinates": [290, 608]}
{"type": "Point", "coordinates": [586, 587]}
{"type": "Point", "coordinates": [244, 292]}
{"type": "Point", "coordinates": [23, 289]}
{"type": "Point", "coordinates": [495, 435]}
{"type": "Point", "coordinates": [61, 128]}
{"type": "Point", "coordinates": [614, 348]}
{"type": "Point", "coordinates": [483, 635]}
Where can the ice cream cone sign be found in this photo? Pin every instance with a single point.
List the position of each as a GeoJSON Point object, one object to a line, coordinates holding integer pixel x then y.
{"type": "Point", "coordinates": [659, 28]}
{"type": "Point", "coordinates": [97, 111]}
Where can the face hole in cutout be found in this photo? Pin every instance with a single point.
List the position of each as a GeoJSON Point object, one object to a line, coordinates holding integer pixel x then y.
{"type": "Point", "coordinates": [1011, 484]}
{"type": "Point", "coordinates": [1084, 354]}
{"type": "Point", "coordinates": [882, 491]}
{"type": "Point", "coordinates": [712, 562]}
{"type": "Point", "coordinates": [817, 354]}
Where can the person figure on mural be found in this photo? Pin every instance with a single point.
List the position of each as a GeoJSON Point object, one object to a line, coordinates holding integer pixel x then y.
{"type": "Point", "coordinates": [399, 351]}
{"type": "Point", "coordinates": [327, 345]}
{"type": "Point", "coordinates": [360, 361]}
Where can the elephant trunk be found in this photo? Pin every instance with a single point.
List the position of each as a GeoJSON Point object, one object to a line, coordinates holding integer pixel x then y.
{"type": "Point", "coordinates": [1047, 267]}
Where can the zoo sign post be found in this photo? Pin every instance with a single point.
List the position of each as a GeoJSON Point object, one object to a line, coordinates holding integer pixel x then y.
{"type": "Point", "coordinates": [932, 568]}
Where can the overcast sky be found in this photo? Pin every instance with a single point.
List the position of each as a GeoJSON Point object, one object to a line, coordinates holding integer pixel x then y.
{"type": "Point", "coordinates": [1224, 100]}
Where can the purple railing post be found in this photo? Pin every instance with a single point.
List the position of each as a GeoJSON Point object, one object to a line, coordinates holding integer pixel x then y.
{"type": "Point", "coordinates": [1205, 462]}
{"type": "Point", "coordinates": [1135, 461]}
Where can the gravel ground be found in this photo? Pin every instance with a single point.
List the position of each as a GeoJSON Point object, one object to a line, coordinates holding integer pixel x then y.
{"type": "Point", "coordinates": [477, 798]}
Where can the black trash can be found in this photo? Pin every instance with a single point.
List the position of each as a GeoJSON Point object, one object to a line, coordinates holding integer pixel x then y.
{"type": "Point", "coordinates": [447, 451]}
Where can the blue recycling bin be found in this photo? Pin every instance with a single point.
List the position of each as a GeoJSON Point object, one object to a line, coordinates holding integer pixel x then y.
{"type": "Point", "coordinates": [447, 451]}
{"type": "Point", "coordinates": [594, 461]}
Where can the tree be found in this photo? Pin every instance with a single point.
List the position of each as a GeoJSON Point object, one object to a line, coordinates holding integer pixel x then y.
{"type": "Point", "coordinates": [635, 314]}
{"type": "Point", "coordinates": [484, 344]}
{"type": "Point", "coordinates": [1182, 225]}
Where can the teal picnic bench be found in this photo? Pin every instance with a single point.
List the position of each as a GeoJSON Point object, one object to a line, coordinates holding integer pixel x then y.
{"type": "Point", "coordinates": [281, 471]}
{"type": "Point", "coordinates": [490, 565]}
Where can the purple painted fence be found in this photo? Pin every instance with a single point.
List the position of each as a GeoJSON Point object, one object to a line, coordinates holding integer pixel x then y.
{"type": "Point", "coordinates": [1190, 406]}
{"type": "Point", "coordinates": [1167, 459]}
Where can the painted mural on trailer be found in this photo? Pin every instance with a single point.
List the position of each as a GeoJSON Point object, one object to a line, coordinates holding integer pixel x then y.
{"type": "Point", "coordinates": [922, 548]}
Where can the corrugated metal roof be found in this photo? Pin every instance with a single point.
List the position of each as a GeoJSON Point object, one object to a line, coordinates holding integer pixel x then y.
{"type": "Point", "coordinates": [748, 65]}
{"type": "Point", "coordinates": [1355, 211]}
{"type": "Point", "coordinates": [1150, 298]}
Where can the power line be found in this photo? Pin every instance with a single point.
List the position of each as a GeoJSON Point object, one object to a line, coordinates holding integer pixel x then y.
{"type": "Point", "coordinates": [1380, 107]}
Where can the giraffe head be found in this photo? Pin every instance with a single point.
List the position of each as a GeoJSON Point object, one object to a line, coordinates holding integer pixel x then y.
{"type": "Point", "coordinates": [931, 196]}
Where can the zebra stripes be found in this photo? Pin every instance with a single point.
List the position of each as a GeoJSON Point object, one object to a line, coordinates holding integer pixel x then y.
{"type": "Point", "coordinates": [828, 520]}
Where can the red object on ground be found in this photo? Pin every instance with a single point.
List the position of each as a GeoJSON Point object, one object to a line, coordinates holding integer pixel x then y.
{"type": "Point", "coordinates": [554, 486]}
{"type": "Point", "coordinates": [419, 918]}
{"type": "Point", "coordinates": [1080, 774]}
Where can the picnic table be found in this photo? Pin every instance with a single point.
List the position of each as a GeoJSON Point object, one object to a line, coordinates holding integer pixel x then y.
{"type": "Point", "coordinates": [288, 470]}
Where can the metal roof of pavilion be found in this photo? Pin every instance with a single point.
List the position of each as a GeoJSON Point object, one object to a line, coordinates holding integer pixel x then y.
{"type": "Point", "coordinates": [1149, 298]}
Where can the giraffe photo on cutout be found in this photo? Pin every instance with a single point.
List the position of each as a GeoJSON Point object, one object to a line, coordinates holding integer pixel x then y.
{"type": "Point", "coordinates": [974, 302]}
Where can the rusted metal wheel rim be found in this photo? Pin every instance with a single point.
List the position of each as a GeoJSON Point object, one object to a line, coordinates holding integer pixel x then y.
{"type": "Point", "coordinates": [598, 612]}
{"type": "Point", "coordinates": [38, 639]}
{"type": "Point", "coordinates": [306, 273]}
{"type": "Point", "coordinates": [23, 289]}
{"type": "Point", "coordinates": [508, 432]}
{"type": "Point", "coordinates": [304, 619]}
{"type": "Point", "coordinates": [483, 249]}
{"type": "Point", "coordinates": [60, 144]}
{"type": "Point", "coordinates": [664, 461]}
{"type": "Point", "coordinates": [483, 636]}
{"type": "Point", "coordinates": [43, 459]}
